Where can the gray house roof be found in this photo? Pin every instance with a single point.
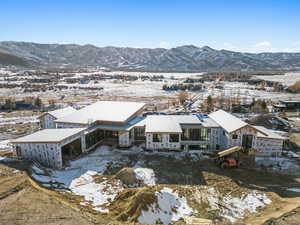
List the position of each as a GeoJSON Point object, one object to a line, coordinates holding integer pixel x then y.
{"type": "Point", "coordinates": [162, 124]}
{"type": "Point", "coordinates": [49, 135]}
{"type": "Point", "coordinates": [60, 112]}
{"type": "Point", "coordinates": [269, 133]}
{"type": "Point", "coordinates": [227, 121]}
{"type": "Point", "coordinates": [103, 111]}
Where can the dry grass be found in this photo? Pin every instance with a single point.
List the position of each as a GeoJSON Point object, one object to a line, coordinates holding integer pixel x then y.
{"type": "Point", "coordinates": [127, 176]}
{"type": "Point", "coordinates": [129, 203]}
{"type": "Point", "coordinates": [295, 88]}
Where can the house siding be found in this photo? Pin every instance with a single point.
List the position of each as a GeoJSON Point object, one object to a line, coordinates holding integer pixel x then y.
{"type": "Point", "coordinates": [124, 140]}
{"type": "Point", "coordinates": [243, 131]}
{"type": "Point", "coordinates": [47, 122]}
{"type": "Point", "coordinates": [269, 147]}
{"type": "Point", "coordinates": [164, 144]}
{"type": "Point", "coordinates": [48, 154]}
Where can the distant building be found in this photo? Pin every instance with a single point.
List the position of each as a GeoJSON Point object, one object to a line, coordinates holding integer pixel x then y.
{"type": "Point", "coordinates": [287, 106]}
{"type": "Point", "coordinates": [121, 123]}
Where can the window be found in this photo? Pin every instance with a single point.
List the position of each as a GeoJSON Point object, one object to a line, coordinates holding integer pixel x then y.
{"type": "Point", "coordinates": [204, 134]}
{"type": "Point", "coordinates": [139, 133]}
{"type": "Point", "coordinates": [198, 147]}
{"type": "Point", "coordinates": [185, 134]}
{"type": "Point", "coordinates": [18, 151]}
{"type": "Point", "coordinates": [234, 136]}
{"type": "Point", "coordinates": [174, 137]}
{"type": "Point", "coordinates": [157, 138]}
{"type": "Point", "coordinates": [194, 134]}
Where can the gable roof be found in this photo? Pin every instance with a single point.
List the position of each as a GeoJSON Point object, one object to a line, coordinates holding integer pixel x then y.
{"type": "Point", "coordinates": [227, 121]}
{"type": "Point", "coordinates": [60, 112]}
{"type": "Point", "coordinates": [268, 133]}
{"type": "Point", "coordinates": [48, 135]}
{"type": "Point", "coordinates": [103, 111]}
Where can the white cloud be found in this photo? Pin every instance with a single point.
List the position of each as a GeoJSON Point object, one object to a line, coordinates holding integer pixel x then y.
{"type": "Point", "coordinates": [164, 44]}
{"type": "Point", "coordinates": [264, 44]}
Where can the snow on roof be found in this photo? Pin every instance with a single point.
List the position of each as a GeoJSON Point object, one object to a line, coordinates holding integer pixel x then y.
{"type": "Point", "coordinates": [227, 121]}
{"type": "Point", "coordinates": [103, 111]}
{"type": "Point", "coordinates": [62, 112]}
{"type": "Point", "coordinates": [186, 119]}
{"type": "Point", "coordinates": [162, 124]}
{"type": "Point", "coordinates": [49, 135]}
{"type": "Point", "coordinates": [172, 123]}
{"type": "Point", "coordinates": [208, 122]}
{"type": "Point", "coordinates": [270, 133]}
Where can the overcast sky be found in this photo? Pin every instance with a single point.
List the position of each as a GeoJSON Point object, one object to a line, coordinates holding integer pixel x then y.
{"type": "Point", "coordinates": [252, 26]}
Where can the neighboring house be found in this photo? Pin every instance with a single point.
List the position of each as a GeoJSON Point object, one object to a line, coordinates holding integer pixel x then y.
{"type": "Point", "coordinates": [287, 106]}
{"type": "Point", "coordinates": [121, 123]}
{"type": "Point", "coordinates": [47, 119]}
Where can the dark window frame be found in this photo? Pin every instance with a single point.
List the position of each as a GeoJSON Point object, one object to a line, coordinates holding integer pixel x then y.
{"type": "Point", "coordinates": [173, 138]}
{"type": "Point", "coordinates": [157, 138]}
{"type": "Point", "coordinates": [234, 136]}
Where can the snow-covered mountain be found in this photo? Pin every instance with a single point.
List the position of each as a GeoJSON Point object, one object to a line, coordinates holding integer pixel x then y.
{"type": "Point", "coordinates": [183, 58]}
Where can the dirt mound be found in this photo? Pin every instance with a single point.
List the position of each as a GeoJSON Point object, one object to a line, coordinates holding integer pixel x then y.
{"type": "Point", "coordinates": [127, 176]}
{"type": "Point", "coordinates": [290, 218]}
{"type": "Point", "coordinates": [129, 204]}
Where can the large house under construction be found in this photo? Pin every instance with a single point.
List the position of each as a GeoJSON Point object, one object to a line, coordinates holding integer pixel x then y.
{"type": "Point", "coordinates": [121, 123]}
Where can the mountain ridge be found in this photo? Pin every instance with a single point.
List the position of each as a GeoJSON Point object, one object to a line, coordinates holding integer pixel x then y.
{"type": "Point", "coordinates": [181, 58]}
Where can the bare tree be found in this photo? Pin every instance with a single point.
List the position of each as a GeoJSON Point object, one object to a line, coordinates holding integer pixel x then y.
{"type": "Point", "coordinates": [183, 97]}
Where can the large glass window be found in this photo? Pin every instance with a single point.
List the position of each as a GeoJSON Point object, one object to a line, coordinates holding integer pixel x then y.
{"type": "Point", "coordinates": [94, 137]}
{"type": "Point", "coordinates": [185, 135]}
{"type": "Point", "coordinates": [204, 134]}
{"type": "Point", "coordinates": [195, 134]}
{"type": "Point", "coordinates": [157, 138]}
{"type": "Point", "coordinates": [139, 133]}
{"type": "Point", "coordinates": [174, 137]}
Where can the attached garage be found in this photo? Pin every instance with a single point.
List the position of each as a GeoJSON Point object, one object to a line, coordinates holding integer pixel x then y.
{"type": "Point", "coordinates": [51, 147]}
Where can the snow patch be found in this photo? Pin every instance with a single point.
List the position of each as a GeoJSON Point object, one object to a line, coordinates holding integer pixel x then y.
{"type": "Point", "coordinates": [294, 189]}
{"type": "Point", "coordinates": [168, 209]}
{"type": "Point", "coordinates": [236, 208]}
{"type": "Point", "coordinates": [5, 145]}
{"type": "Point", "coordinates": [98, 194]}
{"type": "Point", "coordinates": [146, 175]}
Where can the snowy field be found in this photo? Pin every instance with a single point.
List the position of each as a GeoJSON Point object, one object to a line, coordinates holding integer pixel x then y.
{"type": "Point", "coordinates": [167, 75]}
{"type": "Point", "coordinates": [286, 79]}
{"type": "Point", "coordinates": [15, 120]}
{"type": "Point", "coordinates": [150, 89]}
{"type": "Point", "coordinates": [132, 89]}
{"type": "Point", "coordinates": [5, 146]}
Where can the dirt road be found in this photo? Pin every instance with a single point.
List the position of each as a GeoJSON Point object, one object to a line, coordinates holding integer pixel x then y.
{"type": "Point", "coordinates": [281, 207]}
